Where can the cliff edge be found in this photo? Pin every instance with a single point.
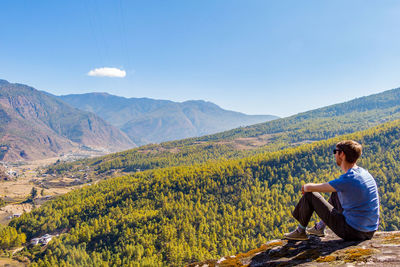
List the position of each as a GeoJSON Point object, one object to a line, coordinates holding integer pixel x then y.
{"type": "Point", "coordinates": [382, 250]}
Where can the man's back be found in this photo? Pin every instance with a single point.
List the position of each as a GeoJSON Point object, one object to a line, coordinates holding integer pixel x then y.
{"type": "Point", "coordinates": [358, 195]}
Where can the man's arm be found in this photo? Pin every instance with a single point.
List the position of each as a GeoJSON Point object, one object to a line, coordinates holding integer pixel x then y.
{"type": "Point", "coordinates": [326, 187]}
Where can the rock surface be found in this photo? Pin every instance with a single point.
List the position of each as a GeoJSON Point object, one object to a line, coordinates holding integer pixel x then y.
{"type": "Point", "coordinates": [382, 250]}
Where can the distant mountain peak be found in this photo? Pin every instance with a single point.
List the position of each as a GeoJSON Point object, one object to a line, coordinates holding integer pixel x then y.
{"type": "Point", "coordinates": [3, 82]}
{"type": "Point", "coordinates": [147, 120]}
{"type": "Point", "coordinates": [103, 93]}
{"type": "Point", "coordinates": [36, 124]}
{"type": "Point", "coordinates": [90, 94]}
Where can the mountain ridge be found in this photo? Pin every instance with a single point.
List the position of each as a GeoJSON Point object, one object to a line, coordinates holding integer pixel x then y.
{"type": "Point", "coordinates": [386, 99]}
{"type": "Point", "coordinates": [37, 125]}
{"type": "Point", "coordinates": [307, 127]}
{"type": "Point", "coordinates": [147, 120]}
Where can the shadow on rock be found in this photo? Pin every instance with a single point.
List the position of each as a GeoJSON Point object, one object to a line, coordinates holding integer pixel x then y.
{"type": "Point", "coordinates": [298, 252]}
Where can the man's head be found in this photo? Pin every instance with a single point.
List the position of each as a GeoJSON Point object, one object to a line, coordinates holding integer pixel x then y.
{"type": "Point", "coordinates": [347, 150]}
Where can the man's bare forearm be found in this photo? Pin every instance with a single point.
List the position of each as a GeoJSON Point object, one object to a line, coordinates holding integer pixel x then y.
{"type": "Point", "coordinates": [311, 187]}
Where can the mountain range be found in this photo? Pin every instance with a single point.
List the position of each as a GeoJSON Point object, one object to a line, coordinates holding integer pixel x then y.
{"type": "Point", "coordinates": [319, 124]}
{"type": "Point", "coordinates": [35, 124]}
{"type": "Point", "coordinates": [357, 114]}
{"type": "Point", "coordinates": [147, 120]}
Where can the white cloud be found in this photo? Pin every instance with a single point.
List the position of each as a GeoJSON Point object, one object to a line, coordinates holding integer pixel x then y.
{"type": "Point", "coordinates": [107, 72]}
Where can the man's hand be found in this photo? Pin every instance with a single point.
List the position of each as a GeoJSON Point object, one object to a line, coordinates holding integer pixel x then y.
{"type": "Point", "coordinates": [302, 189]}
{"type": "Point", "coordinates": [307, 187]}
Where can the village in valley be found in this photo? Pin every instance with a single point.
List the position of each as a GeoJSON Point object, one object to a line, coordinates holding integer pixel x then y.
{"type": "Point", "coordinates": [25, 186]}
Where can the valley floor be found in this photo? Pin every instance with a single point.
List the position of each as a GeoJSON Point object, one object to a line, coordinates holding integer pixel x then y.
{"type": "Point", "coordinates": [17, 188]}
{"type": "Point", "coordinates": [10, 262]}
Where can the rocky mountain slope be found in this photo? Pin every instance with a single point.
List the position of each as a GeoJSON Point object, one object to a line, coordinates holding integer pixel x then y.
{"type": "Point", "coordinates": [34, 124]}
{"type": "Point", "coordinates": [382, 250]}
{"type": "Point", "coordinates": [147, 120]}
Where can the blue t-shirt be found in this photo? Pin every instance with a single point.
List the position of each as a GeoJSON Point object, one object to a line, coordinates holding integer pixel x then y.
{"type": "Point", "coordinates": [358, 194]}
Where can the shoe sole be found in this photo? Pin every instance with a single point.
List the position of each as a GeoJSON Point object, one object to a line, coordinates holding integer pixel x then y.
{"type": "Point", "coordinates": [296, 239]}
{"type": "Point", "coordinates": [319, 235]}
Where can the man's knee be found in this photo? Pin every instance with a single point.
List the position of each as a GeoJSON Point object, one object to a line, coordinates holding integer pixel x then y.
{"type": "Point", "coordinates": [310, 195]}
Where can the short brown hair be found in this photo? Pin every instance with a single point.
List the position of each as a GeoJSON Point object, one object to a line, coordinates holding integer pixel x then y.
{"type": "Point", "coordinates": [351, 149]}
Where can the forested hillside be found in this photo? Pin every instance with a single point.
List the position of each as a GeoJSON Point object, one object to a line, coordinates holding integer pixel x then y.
{"type": "Point", "coordinates": [320, 124]}
{"type": "Point", "coordinates": [357, 114]}
{"type": "Point", "coordinates": [178, 215]}
{"type": "Point", "coordinates": [151, 157]}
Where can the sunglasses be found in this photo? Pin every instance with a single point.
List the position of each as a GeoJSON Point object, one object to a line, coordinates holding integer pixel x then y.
{"type": "Point", "coordinates": [336, 150]}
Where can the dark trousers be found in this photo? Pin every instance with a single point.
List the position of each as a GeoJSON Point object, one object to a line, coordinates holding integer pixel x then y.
{"type": "Point", "coordinates": [330, 213]}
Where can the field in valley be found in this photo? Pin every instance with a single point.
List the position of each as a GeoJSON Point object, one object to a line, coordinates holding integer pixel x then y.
{"type": "Point", "coordinates": [16, 190]}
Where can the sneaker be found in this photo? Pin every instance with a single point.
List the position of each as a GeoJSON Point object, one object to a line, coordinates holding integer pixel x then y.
{"type": "Point", "coordinates": [296, 235]}
{"type": "Point", "coordinates": [315, 231]}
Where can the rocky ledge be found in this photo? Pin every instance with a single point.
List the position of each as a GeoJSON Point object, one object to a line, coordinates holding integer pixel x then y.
{"type": "Point", "coordinates": [382, 250]}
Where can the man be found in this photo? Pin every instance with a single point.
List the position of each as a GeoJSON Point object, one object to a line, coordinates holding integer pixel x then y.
{"type": "Point", "coordinates": [353, 208]}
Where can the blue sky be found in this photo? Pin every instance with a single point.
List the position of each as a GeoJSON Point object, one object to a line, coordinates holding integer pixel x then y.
{"type": "Point", "coordinates": [257, 57]}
